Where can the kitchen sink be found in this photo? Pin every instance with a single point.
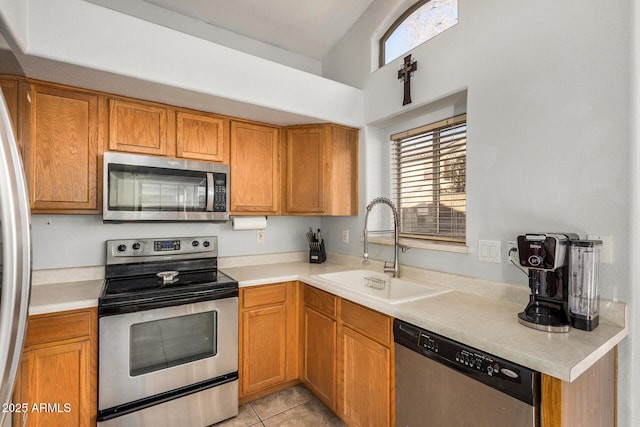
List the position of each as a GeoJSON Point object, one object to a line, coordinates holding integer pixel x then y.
{"type": "Point", "coordinates": [380, 286]}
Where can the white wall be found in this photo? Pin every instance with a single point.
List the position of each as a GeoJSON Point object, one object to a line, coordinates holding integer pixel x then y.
{"type": "Point", "coordinates": [61, 241]}
{"type": "Point", "coordinates": [71, 41]}
{"type": "Point", "coordinates": [548, 130]}
{"type": "Point", "coordinates": [170, 19]}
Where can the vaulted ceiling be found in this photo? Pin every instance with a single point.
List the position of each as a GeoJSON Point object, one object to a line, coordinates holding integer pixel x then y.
{"type": "Point", "coordinates": [307, 27]}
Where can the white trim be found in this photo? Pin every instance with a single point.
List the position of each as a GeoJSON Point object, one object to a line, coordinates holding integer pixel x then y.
{"type": "Point", "coordinates": [387, 240]}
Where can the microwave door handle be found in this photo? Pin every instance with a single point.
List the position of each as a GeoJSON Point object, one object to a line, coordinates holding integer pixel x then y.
{"type": "Point", "coordinates": [210, 192]}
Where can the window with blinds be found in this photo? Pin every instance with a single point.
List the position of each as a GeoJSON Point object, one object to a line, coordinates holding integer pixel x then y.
{"type": "Point", "coordinates": [429, 180]}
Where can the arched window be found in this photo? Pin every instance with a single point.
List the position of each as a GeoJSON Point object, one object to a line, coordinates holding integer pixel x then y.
{"type": "Point", "coordinates": [422, 21]}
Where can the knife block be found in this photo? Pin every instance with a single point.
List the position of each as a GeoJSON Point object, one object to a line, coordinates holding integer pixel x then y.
{"type": "Point", "coordinates": [317, 253]}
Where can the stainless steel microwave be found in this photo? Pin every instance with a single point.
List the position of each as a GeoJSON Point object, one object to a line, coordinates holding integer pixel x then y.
{"type": "Point", "coordinates": [146, 188]}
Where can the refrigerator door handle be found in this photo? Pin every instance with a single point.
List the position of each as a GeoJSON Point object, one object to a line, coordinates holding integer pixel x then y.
{"type": "Point", "coordinates": [15, 239]}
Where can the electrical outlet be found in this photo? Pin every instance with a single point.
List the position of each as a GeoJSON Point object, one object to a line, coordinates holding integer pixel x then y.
{"type": "Point", "coordinates": [606, 253]}
{"type": "Point", "coordinates": [260, 236]}
{"type": "Point", "coordinates": [345, 236]}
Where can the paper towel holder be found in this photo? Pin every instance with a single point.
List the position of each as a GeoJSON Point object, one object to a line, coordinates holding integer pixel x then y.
{"type": "Point", "coordinates": [249, 222]}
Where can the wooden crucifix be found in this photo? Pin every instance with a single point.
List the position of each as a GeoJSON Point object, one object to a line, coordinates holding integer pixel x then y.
{"type": "Point", "coordinates": [405, 74]}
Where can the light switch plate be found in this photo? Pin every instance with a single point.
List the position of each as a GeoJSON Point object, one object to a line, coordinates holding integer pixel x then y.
{"type": "Point", "coordinates": [489, 251]}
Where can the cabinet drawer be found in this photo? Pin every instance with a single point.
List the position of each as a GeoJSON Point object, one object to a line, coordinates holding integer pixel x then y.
{"type": "Point", "coordinates": [263, 295]}
{"type": "Point", "coordinates": [57, 327]}
{"type": "Point", "coordinates": [319, 300]}
{"type": "Point", "coordinates": [371, 323]}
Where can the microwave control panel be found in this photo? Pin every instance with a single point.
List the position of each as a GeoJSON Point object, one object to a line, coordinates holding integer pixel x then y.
{"type": "Point", "coordinates": [219, 192]}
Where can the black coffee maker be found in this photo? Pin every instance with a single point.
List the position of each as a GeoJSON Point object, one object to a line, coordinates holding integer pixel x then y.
{"type": "Point", "coordinates": [546, 256]}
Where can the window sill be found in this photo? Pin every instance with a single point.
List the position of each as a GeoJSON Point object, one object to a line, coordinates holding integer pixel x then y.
{"type": "Point", "coordinates": [387, 240]}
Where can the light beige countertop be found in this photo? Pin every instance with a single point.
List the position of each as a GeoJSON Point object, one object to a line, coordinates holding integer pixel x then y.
{"type": "Point", "coordinates": [478, 313]}
{"type": "Point", "coordinates": [49, 298]}
{"type": "Point", "coordinates": [65, 289]}
{"type": "Point", "coordinates": [468, 315]}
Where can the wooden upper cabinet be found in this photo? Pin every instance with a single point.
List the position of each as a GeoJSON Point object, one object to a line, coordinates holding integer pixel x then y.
{"type": "Point", "coordinates": [322, 170]}
{"type": "Point", "coordinates": [306, 163]}
{"type": "Point", "coordinates": [201, 137]}
{"type": "Point", "coordinates": [10, 90]}
{"type": "Point", "coordinates": [62, 154]}
{"type": "Point", "coordinates": [141, 128]}
{"type": "Point", "coordinates": [254, 169]}
{"type": "Point", "coordinates": [147, 128]}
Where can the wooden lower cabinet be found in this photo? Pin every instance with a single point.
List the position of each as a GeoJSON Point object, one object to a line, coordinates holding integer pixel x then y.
{"type": "Point", "coordinates": [265, 348]}
{"type": "Point", "coordinates": [365, 380]}
{"type": "Point", "coordinates": [319, 364]}
{"type": "Point", "coordinates": [348, 358]}
{"type": "Point", "coordinates": [268, 338]}
{"type": "Point", "coordinates": [57, 380]}
{"type": "Point", "coordinates": [365, 366]}
{"type": "Point", "coordinates": [588, 401]}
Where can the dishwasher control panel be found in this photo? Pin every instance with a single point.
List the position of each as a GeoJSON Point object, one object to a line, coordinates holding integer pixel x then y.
{"type": "Point", "coordinates": [470, 361]}
{"type": "Point", "coordinates": [465, 356]}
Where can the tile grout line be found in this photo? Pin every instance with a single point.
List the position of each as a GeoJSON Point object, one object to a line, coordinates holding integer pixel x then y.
{"type": "Point", "coordinates": [257, 416]}
{"type": "Point", "coordinates": [278, 413]}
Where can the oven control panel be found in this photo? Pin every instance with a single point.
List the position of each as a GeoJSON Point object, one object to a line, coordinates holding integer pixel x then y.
{"type": "Point", "coordinates": [139, 250]}
{"type": "Point", "coordinates": [167, 245]}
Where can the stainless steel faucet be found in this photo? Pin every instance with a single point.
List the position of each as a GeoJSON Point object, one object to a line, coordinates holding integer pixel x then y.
{"type": "Point", "coordinates": [395, 269]}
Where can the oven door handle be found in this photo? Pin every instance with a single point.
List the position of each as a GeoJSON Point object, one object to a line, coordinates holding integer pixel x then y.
{"type": "Point", "coordinates": [210, 192]}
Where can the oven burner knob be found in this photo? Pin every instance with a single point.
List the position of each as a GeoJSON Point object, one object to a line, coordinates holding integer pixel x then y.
{"type": "Point", "coordinates": [136, 246]}
{"type": "Point", "coordinates": [122, 248]}
{"type": "Point", "coordinates": [206, 244]}
{"type": "Point", "coordinates": [195, 243]}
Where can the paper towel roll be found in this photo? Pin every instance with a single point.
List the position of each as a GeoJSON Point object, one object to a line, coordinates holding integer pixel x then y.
{"type": "Point", "coordinates": [249, 223]}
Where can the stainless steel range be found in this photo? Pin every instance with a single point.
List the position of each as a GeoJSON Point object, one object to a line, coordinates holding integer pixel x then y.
{"type": "Point", "coordinates": [168, 335]}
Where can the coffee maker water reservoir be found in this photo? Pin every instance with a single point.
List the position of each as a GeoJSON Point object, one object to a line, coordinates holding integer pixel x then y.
{"type": "Point", "coordinates": [584, 296]}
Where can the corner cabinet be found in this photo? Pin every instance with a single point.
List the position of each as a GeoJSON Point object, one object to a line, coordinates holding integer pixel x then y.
{"type": "Point", "coordinates": [321, 170]}
{"type": "Point", "coordinates": [57, 378]}
{"type": "Point", "coordinates": [61, 157]}
{"type": "Point", "coordinates": [348, 358]}
{"type": "Point", "coordinates": [268, 334]}
{"type": "Point", "coordinates": [319, 335]}
{"type": "Point", "coordinates": [255, 169]}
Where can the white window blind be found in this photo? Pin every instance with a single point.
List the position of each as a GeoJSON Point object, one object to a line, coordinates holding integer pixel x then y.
{"type": "Point", "coordinates": [429, 180]}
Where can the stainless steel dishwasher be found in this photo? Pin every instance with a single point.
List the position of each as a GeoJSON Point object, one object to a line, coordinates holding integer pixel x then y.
{"type": "Point", "coordinates": [443, 383]}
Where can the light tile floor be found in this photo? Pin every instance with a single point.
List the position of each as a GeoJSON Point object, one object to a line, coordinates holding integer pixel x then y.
{"type": "Point", "coordinates": [294, 406]}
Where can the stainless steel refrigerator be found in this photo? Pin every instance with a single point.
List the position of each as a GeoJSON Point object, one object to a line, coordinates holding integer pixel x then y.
{"type": "Point", "coordinates": [15, 260]}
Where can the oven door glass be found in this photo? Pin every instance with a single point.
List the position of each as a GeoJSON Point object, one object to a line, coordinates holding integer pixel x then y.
{"type": "Point", "coordinates": [141, 188]}
{"type": "Point", "coordinates": [161, 344]}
